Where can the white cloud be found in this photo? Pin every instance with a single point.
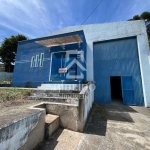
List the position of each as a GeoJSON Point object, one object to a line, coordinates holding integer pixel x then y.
{"type": "Point", "coordinates": [33, 18]}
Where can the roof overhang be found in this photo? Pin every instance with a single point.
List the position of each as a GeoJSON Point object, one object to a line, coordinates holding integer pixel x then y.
{"type": "Point", "coordinates": [61, 41]}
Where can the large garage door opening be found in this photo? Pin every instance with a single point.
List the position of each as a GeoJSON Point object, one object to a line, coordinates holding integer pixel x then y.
{"type": "Point", "coordinates": [117, 72]}
{"type": "Point", "coordinates": [116, 90]}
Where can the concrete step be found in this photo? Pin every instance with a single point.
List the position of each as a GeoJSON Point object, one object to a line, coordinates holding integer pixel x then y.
{"type": "Point", "coordinates": [55, 99]}
{"type": "Point", "coordinates": [57, 88]}
{"type": "Point", "coordinates": [54, 91]}
{"type": "Point", "coordinates": [51, 125]}
{"type": "Point", "coordinates": [61, 86]}
{"type": "Point", "coordinates": [48, 88]}
{"type": "Point", "coordinates": [42, 94]}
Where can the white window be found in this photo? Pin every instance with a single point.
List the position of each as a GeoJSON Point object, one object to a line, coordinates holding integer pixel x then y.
{"type": "Point", "coordinates": [41, 59]}
{"type": "Point", "coordinates": [37, 61]}
{"type": "Point", "coordinates": [33, 61]}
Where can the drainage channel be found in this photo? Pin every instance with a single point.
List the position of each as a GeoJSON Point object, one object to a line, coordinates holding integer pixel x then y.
{"type": "Point", "coordinates": [46, 119]}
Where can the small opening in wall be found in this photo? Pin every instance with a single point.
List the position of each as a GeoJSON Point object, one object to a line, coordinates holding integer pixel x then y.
{"type": "Point", "coordinates": [116, 90]}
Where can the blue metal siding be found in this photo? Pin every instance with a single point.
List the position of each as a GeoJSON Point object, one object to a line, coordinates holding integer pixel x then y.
{"type": "Point", "coordinates": [116, 58]}
{"type": "Point", "coordinates": [23, 72]}
{"type": "Point", "coordinates": [128, 90]}
{"type": "Point", "coordinates": [127, 83]}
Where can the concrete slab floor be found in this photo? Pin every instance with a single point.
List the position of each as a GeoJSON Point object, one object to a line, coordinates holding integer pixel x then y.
{"type": "Point", "coordinates": [63, 139]}
{"type": "Point", "coordinates": [115, 127]}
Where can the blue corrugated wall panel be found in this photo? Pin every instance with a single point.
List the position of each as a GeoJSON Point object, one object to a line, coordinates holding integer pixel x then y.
{"type": "Point", "coordinates": [128, 90]}
{"type": "Point", "coordinates": [116, 58]}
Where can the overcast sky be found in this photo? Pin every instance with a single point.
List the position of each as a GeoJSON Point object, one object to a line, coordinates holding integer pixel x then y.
{"type": "Point", "coordinates": [35, 18]}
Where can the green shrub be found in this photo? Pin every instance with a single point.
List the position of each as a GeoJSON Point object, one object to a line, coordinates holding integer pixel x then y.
{"type": "Point", "coordinates": [5, 82]}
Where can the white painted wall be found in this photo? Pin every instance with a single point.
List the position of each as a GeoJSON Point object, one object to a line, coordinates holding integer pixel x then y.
{"type": "Point", "coordinates": [107, 31]}
{"type": "Point", "coordinates": [89, 99]}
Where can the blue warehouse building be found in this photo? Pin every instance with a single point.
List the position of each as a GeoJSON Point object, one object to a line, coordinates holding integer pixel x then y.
{"type": "Point", "coordinates": [115, 56]}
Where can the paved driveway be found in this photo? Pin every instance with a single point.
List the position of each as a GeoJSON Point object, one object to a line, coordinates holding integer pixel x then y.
{"type": "Point", "coordinates": [110, 127]}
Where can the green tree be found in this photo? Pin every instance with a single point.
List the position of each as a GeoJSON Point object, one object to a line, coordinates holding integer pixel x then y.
{"type": "Point", "coordinates": [136, 17]}
{"type": "Point", "coordinates": [146, 17]}
{"type": "Point", "coordinates": [8, 48]}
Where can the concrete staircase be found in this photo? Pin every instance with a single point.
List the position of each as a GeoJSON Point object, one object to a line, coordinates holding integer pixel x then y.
{"type": "Point", "coordinates": [55, 96]}
{"type": "Point", "coordinates": [60, 93]}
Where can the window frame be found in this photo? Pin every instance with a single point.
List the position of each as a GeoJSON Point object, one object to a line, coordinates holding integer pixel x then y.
{"type": "Point", "coordinates": [41, 60]}
{"type": "Point", "coordinates": [32, 61]}
{"type": "Point", "coordinates": [37, 61]}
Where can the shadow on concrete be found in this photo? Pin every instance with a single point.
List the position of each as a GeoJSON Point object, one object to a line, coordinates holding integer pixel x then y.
{"type": "Point", "coordinates": [100, 114]}
{"type": "Point", "coordinates": [51, 143]}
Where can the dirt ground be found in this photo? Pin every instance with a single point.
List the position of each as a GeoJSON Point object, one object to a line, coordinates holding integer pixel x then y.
{"type": "Point", "coordinates": [110, 127]}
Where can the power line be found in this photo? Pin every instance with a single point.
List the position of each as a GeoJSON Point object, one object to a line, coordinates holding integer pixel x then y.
{"type": "Point", "coordinates": [94, 10]}
{"type": "Point", "coordinates": [111, 14]}
{"type": "Point", "coordinates": [90, 14]}
{"type": "Point", "coordinates": [113, 11]}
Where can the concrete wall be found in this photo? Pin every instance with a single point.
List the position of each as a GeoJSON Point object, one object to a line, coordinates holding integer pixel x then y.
{"type": "Point", "coordinates": [68, 114]}
{"type": "Point", "coordinates": [85, 102]}
{"type": "Point", "coordinates": [24, 134]}
{"type": "Point", "coordinates": [108, 31]}
{"type": "Point", "coordinates": [5, 75]}
{"type": "Point", "coordinates": [88, 101]}
{"type": "Point", "coordinates": [74, 116]}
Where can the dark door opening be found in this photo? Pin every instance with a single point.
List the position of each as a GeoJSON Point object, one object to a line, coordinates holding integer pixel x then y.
{"type": "Point", "coordinates": [116, 90]}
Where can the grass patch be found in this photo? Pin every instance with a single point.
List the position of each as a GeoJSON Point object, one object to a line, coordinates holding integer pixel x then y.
{"type": "Point", "coordinates": [14, 94]}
